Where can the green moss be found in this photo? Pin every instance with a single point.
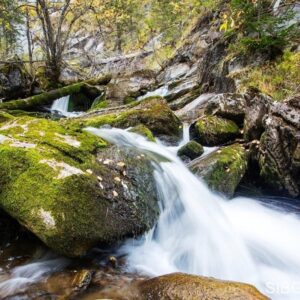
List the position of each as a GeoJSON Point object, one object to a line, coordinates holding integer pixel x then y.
{"type": "Point", "coordinates": [212, 130]}
{"type": "Point", "coordinates": [222, 170]}
{"type": "Point", "coordinates": [100, 105]}
{"type": "Point", "coordinates": [191, 150]}
{"type": "Point", "coordinates": [144, 131]}
{"type": "Point", "coordinates": [129, 100]}
{"type": "Point", "coordinates": [76, 146]}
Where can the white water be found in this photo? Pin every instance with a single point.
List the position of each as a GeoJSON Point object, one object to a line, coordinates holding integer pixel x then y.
{"type": "Point", "coordinates": [198, 232]}
{"type": "Point", "coordinates": [61, 105]}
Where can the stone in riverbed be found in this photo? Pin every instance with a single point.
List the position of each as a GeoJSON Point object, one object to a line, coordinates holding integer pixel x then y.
{"type": "Point", "coordinates": [187, 287]}
{"type": "Point", "coordinates": [223, 169]}
{"type": "Point", "coordinates": [73, 190]}
{"type": "Point", "coordinates": [214, 131]}
{"type": "Point", "coordinates": [191, 150]}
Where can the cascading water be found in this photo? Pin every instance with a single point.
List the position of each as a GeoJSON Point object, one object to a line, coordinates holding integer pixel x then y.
{"type": "Point", "coordinates": [201, 233]}
{"type": "Point", "coordinates": [61, 105]}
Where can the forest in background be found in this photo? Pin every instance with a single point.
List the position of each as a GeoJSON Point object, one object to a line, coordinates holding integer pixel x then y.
{"type": "Point", "coordinates": [81, 36]}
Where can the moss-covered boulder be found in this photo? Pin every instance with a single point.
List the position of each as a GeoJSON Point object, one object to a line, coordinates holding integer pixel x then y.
{"type": "Point", "coordinates": [187, 287]}
{"type": "Point", "coordinates": [72, 189]}
{"type": "Point", "coordinates": [154, 113]}
{"type": "Point", "coordinates": [191, 150]}
{"type": "Point", "coordinates": [144, 131]}
{"type": "Point", "coordinates": [213, 131]}
{"type": "Point", "coordinates": [223, 169]}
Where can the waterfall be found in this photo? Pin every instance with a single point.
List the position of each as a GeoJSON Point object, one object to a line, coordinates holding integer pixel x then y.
{"type": "Point", "coordinates": [199, 232]}
{"type": "Point", "coordinates": [61, 105]}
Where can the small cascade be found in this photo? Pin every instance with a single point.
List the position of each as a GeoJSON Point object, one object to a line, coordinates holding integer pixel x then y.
{"type": "Point", "coordinates": [199, 232]}
{"type": "Point", "coordinates": [61, 105]}
{"type": "Point", "coordinates": [162, 91]}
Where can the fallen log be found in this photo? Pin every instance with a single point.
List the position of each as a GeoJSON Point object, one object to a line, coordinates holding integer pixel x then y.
{"type": "Point", "coordinates": [48, 97]}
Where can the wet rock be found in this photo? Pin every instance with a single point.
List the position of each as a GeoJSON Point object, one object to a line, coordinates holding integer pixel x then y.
{"type": "Point", "coordinates": [280, 143]}
{"type": "Point", "coordinates": [71, 189]}
{"type": "Point", "coordinates": [229, 106]}
{"type": "Point", "coordinates": [186, 287]}
{"type": "Point", "coordinates": [190, 151]}
{"type": "Point", "coordinates": [68, 284]}
{"type": "Point", "coordinates": [222, 169]}
{"type": "Point", "coordinates": [213, 131]}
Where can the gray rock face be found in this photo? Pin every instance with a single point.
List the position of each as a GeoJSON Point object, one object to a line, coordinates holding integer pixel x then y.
{"type": "Point", "coordinates": [130, 85]}
{"type": "Point", "coordinates": [14, 82]}
{"type": "Point", "coordinates": [229, 105]}
{"type": "Point", "coordinates": [256, 109]}
{"type": "Point", "coordinates": [279, 157]}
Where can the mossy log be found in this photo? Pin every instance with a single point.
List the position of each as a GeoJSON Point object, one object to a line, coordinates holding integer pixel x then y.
{"type": "Point", "coordinates": [48, 97]}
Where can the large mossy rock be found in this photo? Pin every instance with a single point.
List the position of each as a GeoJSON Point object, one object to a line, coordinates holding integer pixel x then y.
{"type": "Point", "coordinates": [223, 169]}
{"type": "Point", "coordinates": [213, 131]}
{"type": "Point", "coordinates": [187, 287]}
{"type": "Point", "coordinates": [279, 157]}
{"type": "Point", "coordinates": [71, 189]}
{"type": "Point", "coordinates": [153, 113]}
